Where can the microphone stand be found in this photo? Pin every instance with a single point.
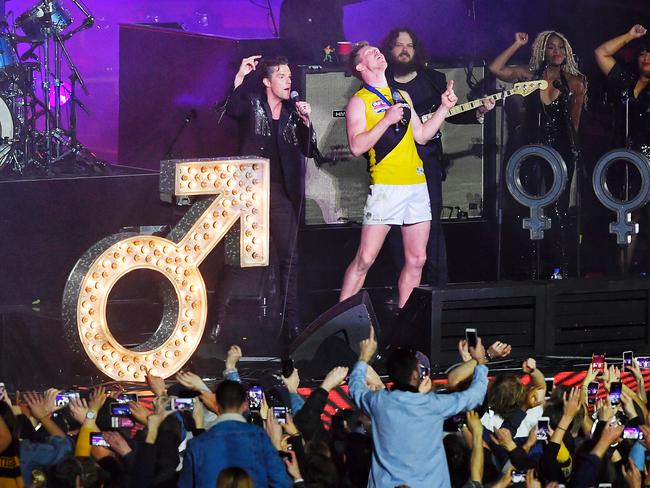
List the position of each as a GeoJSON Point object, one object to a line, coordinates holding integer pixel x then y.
{"type": "Point", "coordinates": [276, 34]}
{"type": "Point", "coordinates": [500, 182]}
{"type": "Point", "coordinates": [188, 118]}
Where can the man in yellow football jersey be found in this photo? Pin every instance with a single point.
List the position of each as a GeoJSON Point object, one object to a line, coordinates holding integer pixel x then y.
{"type": "Point", "coordinates": [380, 126]}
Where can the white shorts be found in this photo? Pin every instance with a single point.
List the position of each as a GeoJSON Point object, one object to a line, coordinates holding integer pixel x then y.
{"type": "Point", "coordinates": [397, 204]}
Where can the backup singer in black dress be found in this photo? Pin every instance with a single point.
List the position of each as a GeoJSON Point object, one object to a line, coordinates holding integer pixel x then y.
{"type": "Point", "coordinates": [632, 85]}
{"type": "Point", "coordinates": [550, 118]}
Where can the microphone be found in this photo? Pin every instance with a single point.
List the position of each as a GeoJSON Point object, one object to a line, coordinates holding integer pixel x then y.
{"type": "Point", "coordinates": [561, 86]}
{"type": "Point", "coordinates": [312, 149]}
{"type": "Point", "coordinates": [397, 98]}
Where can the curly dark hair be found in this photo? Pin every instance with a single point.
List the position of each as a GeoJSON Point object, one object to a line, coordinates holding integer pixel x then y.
{"type": "Point", "coordinates": [387, 45]}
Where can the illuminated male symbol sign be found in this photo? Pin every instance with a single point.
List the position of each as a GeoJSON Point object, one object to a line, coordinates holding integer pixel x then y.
{"type": "Point", "coordinates": [537, 223]}
{"type": "Point", "coordinates": [241, 187]}
{"type": "Point", "coordinates": [623, 227]}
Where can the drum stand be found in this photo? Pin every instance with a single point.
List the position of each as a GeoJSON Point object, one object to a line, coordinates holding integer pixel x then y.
{"type": "Point", "coordinates": [55, 136]}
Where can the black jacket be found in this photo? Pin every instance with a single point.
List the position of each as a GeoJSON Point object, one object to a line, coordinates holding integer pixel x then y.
{"type": "Point", "coordinates": [253, 113]}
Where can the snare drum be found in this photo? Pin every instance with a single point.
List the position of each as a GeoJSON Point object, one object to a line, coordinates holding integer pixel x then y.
{"type": "Point", "coordinates": [8, 56]}
{"type": "Point", "coordinates": [33, 22]}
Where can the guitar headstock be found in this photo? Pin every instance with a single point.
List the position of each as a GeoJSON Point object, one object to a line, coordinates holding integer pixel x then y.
{"type": "Point", "coordinates": [525, 88]}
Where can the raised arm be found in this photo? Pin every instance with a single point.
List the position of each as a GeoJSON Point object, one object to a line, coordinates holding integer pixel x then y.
{"type": "Point", "coordinates": [499, 67]}
{"type": "Point", "coordinates": [605, 52]}
{"type": "Point", "coordinates": [423, 133]}
{"type": "Point", "coordinates": [465, 370]}
{"type": "Point", "coordinates": [361, 140]}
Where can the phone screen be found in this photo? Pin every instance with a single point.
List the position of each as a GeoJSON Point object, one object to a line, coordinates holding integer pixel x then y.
{"type": "Point", "coordinates": [542, 428]}
{"type": "Point", "coordinates": [518, 477]}
{"type": "Point", "coordinates": [598, 361]}
{"type": "Point", "coordinates": [470, 335]}
{"type": "Point", "coordinates": [280, 414]}
{"type": "Point", "coordinates": [643, 362]}
{"type": "Point", "coordinates": [127, 397]}
{"type": "Point", "coordinates": [632, 433]}
{"type": "Point", "coordinates": [424, 371]}
{"type": "Point", "coordinates": [592, 392]}
{"type": "Point", "coordinates": [63, 398]}
{"type": "Point", "coordinates": [182, 404]}
{"type": "Point", "coordinates": [615, 392]}
{"type": "Point", "coordinates": [122, 423]}
{"type": "Point", "coordinates": [255, 397]}
{"type": "Point", "coordinates": [120, 410]}
{"type": "Point", "coordinates": [627, 359]}
{"type": "Point", "coordinates": [97, 439]}
{"type": "Point", "coordinates": [459, 420]}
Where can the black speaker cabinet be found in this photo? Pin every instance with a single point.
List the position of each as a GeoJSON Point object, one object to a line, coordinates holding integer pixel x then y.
{"type": "Point", "coordinates": [336, 191]}
{"type": "Point", "coordinates": [333, 338]}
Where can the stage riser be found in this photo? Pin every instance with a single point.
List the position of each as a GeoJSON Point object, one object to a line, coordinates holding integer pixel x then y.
{"type": "Point", "coordinates": [568, 318]}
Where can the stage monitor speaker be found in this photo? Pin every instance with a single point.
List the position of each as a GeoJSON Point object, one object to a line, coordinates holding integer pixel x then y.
{"type": "Point", "coordinates": [333, 338]}
{"type": "Point", "coordinates": [335, 192]}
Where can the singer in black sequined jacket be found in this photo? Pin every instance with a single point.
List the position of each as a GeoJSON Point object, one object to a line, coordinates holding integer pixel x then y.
{"type": "Point", "coordinates": [284, 142]}
{"type": "Point", "coordinates": [253, 114]}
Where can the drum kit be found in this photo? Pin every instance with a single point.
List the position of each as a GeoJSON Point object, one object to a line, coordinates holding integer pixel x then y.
{"type": "Point", "coordinates": [33, 138]}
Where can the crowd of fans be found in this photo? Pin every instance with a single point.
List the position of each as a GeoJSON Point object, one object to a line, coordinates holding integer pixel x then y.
{"type": "Point", "coordinates": [467, 432]}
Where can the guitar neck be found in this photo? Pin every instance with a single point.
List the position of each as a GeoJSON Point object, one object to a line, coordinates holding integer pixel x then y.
{"type": "Point", "coordinates": [474, 104]}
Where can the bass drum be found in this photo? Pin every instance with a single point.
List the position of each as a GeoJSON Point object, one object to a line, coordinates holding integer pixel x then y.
{"type": "Point", "coordinates": [7, 128]}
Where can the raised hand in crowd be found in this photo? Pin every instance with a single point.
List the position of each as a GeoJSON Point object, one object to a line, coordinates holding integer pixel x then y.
{"type": "Point", "coordinates": [611, 434]}
{"type": "Point", "coordinates": [274, 430]}
{"type": "Point", "coordinates": [499, 350]}
{"type": "Point", "coordinates": [191, 381]}
{"type": "Point", "coordinates": [139, 412]}
{"type": "Point", "coordinates": [572, 403]}
{"type": "Point", "coordinates": [478, 352]}
{"type": "Point", "coordinates": [605, 409]}
{"type": "Point", "coordinates": [368, 347]}
{"type": "Point", "coordinates": [373, 380]}
{"type": "Point", "coordinates": [635, 369]}
{"type": "Point", "coordinates": [209, 400]}
{"type": "Point", "coordinates": [233, 357]}
{"type": "Point", "coordinates": [118, 443]}
{"type": "Point", "coordinates": [610, 375]}
{"type": "Point", "coordinates": [531, 480]}
{"type": "Point", "coordinates": [463, 372]}
{"type": "Point", "coordinates": [41, 407]}
{"type": "Point", "coordinates": [78, 409]}
{"type": "Point", "coordinates": [334, 378]}
{"type": "Point", "coordinates": [156, 384]}
{"type": "Point", "coordinates": [198, 413]}
{"type": "Point", "coordinates": [292, 382]}
{"type": "Point", "coordinates": [463, 350]}
{"type": "Point", "coordinates": [153, 424]}
{"type": "Point", "coordinates": [503, 437]}
{"type": "Point", "coordinates": [628, 406]}
{"type": "Point", "coordinates": [292, 466]}
{"type": "Point", "coordinates": [426, 385]}
{"type": "Point", "coordinates": [631, 474]}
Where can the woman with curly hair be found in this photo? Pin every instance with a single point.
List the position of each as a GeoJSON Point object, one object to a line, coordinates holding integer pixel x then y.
{"type": "Point", "coordinates": [551, 117]}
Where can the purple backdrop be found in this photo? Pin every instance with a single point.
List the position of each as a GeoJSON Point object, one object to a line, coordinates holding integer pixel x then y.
{"type": "Point", "coordinates": [462, 28]}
